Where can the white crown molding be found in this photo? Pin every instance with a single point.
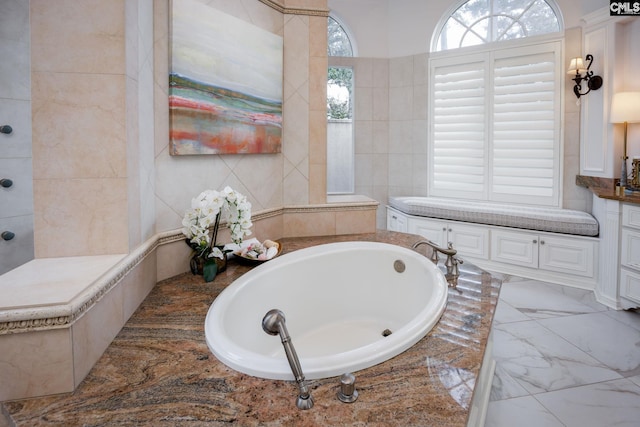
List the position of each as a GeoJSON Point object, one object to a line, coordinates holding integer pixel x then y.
{"type": "Point", "coordinates": [602, 16]}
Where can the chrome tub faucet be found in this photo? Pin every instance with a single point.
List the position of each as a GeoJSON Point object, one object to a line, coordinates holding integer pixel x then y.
{"type": "Point", "coordinates": [452, 261]}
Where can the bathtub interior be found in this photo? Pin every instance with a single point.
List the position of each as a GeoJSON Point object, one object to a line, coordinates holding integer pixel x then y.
{"type": "Point", "coordinates": [337, 300]}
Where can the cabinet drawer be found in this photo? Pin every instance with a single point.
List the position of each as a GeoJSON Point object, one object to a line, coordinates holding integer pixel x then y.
{"type": "Point", "coordinates": [631, 216]}
{"type": "Point", "coordinates": [630, 285]}
{"type": "Point", "coordinates": [630, 252]}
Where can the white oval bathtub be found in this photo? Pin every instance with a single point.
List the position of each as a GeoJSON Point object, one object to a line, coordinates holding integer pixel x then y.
{"type": "Point", "coordinates": [337, 298]}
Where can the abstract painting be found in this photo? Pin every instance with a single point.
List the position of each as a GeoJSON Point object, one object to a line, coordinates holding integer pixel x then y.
{"type": "Point", "coordinates": [225, 84]}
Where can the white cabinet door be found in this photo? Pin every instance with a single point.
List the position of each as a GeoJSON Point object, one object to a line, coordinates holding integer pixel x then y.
{"type": "Point", "coordinates": [396, 221]}
{"type": "Point", "coordinates": [469, 240]}
{"type": "Point", "coordinates": [631, 216]}
{"type": "Point", "coordinates": [566, 255]}
{"type": "Point", "coordinates": [512, 247]}
{"type": "Point", "coordinates": [430, 229]}
{"type": "Point", "coordinates": [630, 285]}
{"type": "Point", "coordinates": [546, 252]}
{"type": "Point", "coordinates": [630, 250]}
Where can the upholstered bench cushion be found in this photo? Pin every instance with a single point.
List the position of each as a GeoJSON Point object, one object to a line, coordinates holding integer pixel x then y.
{"type": "Point", "coordinates": [526, 217]}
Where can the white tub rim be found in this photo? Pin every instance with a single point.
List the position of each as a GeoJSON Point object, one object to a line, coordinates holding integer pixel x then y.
{"type": "Point", "coordinates": [234, 355]}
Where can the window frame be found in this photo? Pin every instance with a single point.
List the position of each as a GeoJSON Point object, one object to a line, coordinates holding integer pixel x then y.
{"type": "Point", "coordinates": [433, 45]}
{"type": "Point", "coordinates": [352, 178]}
{"type": "Point", "coordinates": [498, 50]}
{"type": "Point", "coordinates": [340, 63]}
{"type": "Point", "coordinates": [347, 31]}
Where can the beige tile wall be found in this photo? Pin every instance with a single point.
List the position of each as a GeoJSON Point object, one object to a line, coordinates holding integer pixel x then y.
{"type": "Point", "coordinates": [79, 135]}
{"type": "Point", "coordinates": [318, 106]}
{"type": "Point", "coordinates": [104, 181]}
{"type": "Point", "coordinates": [297, 176]}
{"type": "Point", "coordinates": [101, 186]}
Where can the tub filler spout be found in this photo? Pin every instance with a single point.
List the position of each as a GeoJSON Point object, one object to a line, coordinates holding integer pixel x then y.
{"type": "Point", "coordinates": [273, 324]}
{"type": "Point", "coordinates": [452, 261]}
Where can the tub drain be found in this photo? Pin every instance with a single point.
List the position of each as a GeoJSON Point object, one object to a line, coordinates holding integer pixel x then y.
{"type": "Point", "coordinates": [386, 332]}
{"type": "Point", "coordinates": [399, 266]}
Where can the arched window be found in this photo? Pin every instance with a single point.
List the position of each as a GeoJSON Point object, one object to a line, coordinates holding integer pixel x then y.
{"type": "Point", "coordinates": [495, 111]}
{"type": "Point", "coordinates": [340, 127]}
{"type": "Point", "coordinates": [482, 21]}
{"type": "Point", "coordinates": [338, 41]}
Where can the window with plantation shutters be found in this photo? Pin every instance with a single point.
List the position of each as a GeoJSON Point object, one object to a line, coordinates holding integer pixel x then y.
{"type": "Point", "coordinates": [495, 125]}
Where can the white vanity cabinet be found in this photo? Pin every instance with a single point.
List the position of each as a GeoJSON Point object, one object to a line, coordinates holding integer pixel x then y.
{"type": "Point", "coordinates": [630, 255]}
{"type": "Point", "coordinates": [469, 240]}
{"type": "Point", "coordinates": [544, 251]}
{"type": "Point", "coordinates": [619, 282]}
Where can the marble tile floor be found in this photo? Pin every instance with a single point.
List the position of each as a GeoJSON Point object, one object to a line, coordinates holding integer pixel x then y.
{"type": "Point", "coordinates": [563, 359]}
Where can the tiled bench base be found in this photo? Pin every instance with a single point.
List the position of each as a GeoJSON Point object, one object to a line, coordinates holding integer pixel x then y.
{"type": "Point", "coordinates": [58, 315]}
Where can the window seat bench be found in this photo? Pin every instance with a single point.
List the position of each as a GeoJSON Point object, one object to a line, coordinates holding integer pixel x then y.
{"type": "Point", "coordinates": [549, 244]}
{"type": "Point", "coordinates": [554, 220]}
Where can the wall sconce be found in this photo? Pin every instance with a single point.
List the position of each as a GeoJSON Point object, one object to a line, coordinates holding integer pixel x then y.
{"type": "Point", "coordinates": [577, 67]}
{"type": "Point", "coordinates": [625, 108]}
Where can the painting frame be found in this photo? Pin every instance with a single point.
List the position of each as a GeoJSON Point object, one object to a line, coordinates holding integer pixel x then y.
{"type": "Point", "coordinates": [225, 84]}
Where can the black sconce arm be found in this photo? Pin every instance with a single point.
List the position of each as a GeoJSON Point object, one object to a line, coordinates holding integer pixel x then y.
{"type": "Point", "coordinates": [593, 82]}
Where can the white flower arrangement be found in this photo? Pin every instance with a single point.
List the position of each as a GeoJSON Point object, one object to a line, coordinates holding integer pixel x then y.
{"type": "Point", "coordinates": [206, 211]}
{"type": "Point", "coordinates": [238, 210]}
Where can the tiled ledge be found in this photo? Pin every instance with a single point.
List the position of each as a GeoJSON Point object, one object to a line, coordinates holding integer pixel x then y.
{"type": "Point", "coordinates": [47, 293]}
{"type": "Point", "coordinates": [51, 293]}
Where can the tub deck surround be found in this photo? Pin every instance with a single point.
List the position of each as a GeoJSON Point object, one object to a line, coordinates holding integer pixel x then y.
{"type": "Point", "coordinates": [159, 371]}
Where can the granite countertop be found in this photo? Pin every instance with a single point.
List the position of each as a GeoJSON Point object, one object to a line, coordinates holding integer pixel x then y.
{"type": "Point", "coordinates": [605, 188]}
{"type": "Point", "coordinates": [159, 371]}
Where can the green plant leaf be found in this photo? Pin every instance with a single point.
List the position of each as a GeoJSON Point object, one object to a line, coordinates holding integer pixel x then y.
{"type": "Point", "coordinates": [210, 270]}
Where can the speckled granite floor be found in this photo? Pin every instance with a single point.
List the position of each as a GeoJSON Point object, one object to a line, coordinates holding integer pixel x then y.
{"type": "Point", "coordinates": [158, 371]}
